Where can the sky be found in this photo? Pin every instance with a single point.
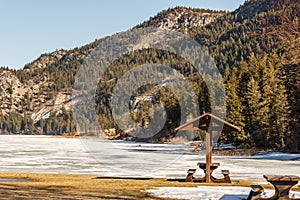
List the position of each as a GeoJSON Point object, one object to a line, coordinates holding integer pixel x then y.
{"type": "Point", "coordinates": [29, 28]}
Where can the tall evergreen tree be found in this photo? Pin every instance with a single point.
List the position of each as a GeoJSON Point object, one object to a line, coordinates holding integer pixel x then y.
{"type": "Point", "coordinates": [278, 113]}
{"type": "Point", "coordinates": [256, 110]}
{"type": "Point", "coordinates": [234, 107]}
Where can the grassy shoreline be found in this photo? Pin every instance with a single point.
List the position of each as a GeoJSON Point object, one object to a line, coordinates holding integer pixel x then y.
{"type": "Point", "coordinates": [58, 186]}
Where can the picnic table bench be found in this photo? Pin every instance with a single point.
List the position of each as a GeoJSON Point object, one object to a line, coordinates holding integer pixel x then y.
{"type": "Point", "coordinates": [255, 192]}
{"type": "Point", "coordinates": [190, 176]}
{"type": "Point", "coordinates": [282, 185]}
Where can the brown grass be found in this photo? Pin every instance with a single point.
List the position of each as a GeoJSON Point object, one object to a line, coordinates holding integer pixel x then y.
{"type": "Point", "coordinates": [60, 186]}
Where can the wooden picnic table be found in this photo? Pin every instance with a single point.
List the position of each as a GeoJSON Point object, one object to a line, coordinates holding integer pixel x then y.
{"type": "Point", "coordinates": [208, 175]}
{"type": "Point", "coordinates": [208, 123]}
{"type": "Point", "coordinates": [282, 185]}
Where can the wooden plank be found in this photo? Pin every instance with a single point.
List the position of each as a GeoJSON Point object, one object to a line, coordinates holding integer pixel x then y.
{"type": "Point", "coordinates": [224, 172]}
{"type": "Point", "coordinates": [205, 119]}
{"type": "Point", "coordinates": [212, 164]}
{"type": "Point", "coordinates": [190, 127]}
{"type": "Point", "coordinates": [282, 178]}
{"type": "Point", "coordinates": [257, 188]}
{"type": "Point", "coordinates": [191, 171]}
{"type": "Point", "coordinates": [201, 164]}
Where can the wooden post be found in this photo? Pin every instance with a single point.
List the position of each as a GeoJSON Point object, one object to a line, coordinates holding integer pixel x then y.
{"type": "Point", "coordinates": [208, 156]}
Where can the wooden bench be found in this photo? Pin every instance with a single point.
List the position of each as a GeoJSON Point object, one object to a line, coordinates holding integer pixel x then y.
{"type": "Point", "coordinates": [226, 176]}
{"type": "Point", "coordinates": [190, 175]}
{"type": "Point", "coordinates": [255, 192]}
{"type": "Point", "coordinates": [225, 179]}
{"type": "Point", "coordinates": [282, 185]}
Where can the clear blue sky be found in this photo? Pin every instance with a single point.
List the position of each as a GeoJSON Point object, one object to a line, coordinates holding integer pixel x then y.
{"type": "Point", "coordinates": [32, 27]}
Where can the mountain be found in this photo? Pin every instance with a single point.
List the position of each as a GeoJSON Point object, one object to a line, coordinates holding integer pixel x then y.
{"type": "Point", "coordinates": [256, 41]}
{"type": "Point", "coordinates": [44, 79]}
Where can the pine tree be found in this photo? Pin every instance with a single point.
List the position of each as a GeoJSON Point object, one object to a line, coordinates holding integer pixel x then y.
{"type": "Point", "coordinates": [275, 96]}
{"type": "Point", "coordinates": [234, 107]}
{"type": "Point", "coordinates": [257, 122]}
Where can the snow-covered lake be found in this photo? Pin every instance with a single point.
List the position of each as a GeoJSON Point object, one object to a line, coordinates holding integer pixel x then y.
{"type": "Point", "coordinates": [118, 158]}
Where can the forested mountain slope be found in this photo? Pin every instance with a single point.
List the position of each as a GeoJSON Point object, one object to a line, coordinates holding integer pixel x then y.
{"type": "Point", "coordinates": [256, 48]}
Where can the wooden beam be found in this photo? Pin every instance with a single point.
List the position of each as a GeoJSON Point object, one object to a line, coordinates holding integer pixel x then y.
{"type": "Point", "coordinates": [208, 157]}
{"type": "Point", "coordinates": [190, 127]}
{"type": "Point", "coordinates": [203, 119]}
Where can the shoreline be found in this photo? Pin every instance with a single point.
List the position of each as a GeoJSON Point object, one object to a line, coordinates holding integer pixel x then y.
{"type": "Point", "coordinates": [55, 186]}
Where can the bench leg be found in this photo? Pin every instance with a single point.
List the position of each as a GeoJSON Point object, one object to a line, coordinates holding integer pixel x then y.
{"type": "Point", "coordinates": [189, 177]}
{"type": "Point", "coordinates": [227, 178]}
{"type": "Point", "coordinates": [254, 196]}
{"type": "Point", "coordinates": [282, 189]}
{"type": "Point", "coordinates": [255, 193]}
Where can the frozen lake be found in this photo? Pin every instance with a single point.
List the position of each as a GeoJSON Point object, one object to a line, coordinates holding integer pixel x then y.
{"type": "Point", "coordinates": [118, 158]}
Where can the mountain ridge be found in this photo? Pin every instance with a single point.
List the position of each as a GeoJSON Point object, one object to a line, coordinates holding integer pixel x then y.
{"type": "Point", "coordinates": [42, 89]}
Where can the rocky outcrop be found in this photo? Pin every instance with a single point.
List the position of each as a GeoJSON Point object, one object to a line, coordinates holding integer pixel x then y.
{"type": "Point", "coordinates": [28, 98]}
{"type": "Point", "coordinates": [12, 93]}
{"type": "Point", "coordinates": [182, 19]}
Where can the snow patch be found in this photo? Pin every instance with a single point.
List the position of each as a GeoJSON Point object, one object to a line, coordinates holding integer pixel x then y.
{"type": "Point", "coordinates": [276, 156]}
{"type": "Point", "coordinates": [210, 193]}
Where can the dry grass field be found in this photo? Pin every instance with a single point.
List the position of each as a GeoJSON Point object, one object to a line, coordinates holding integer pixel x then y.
{"type": "Point", "coordinates": [60, 186]}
